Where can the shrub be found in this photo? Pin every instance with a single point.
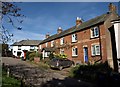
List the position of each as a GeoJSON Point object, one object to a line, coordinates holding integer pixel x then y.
{"type": "Point", "coordinates": [60, 55]}
{"type": "Point", "coordinates": [31, 56]}
{"type": "Point", "coordinates": [51, 56]}
{"type": "Point", "coordinates": [90, 72]}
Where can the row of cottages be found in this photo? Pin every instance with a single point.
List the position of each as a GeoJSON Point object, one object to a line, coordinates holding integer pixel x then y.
{"type": "Point", "coordinates": [20, 48]}
{"type": "Point", "coordinates": [89, 41]}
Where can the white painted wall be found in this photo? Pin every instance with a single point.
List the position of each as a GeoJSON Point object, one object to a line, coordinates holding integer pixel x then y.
{"type": "Point", "coordinates": [117, 38]}
{"type": "Point", "coordinates": [15, 50]}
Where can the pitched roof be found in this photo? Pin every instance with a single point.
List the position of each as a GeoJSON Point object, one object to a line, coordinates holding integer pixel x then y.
{"type": "Point", "coordinates": [74, 29]}
{"type": "Point", "coordinates": [27, 43]}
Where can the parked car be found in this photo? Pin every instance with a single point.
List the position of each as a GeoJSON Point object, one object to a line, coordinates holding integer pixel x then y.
{"type": "Point", "coordinates": [60, 63]}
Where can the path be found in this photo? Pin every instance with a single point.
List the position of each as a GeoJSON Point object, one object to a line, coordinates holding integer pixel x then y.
{"type": "Point", "coordinates": [38, 77]}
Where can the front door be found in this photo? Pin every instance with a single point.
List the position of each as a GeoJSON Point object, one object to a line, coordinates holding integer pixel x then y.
{"type": "Point", "coordinates": [85, 54]}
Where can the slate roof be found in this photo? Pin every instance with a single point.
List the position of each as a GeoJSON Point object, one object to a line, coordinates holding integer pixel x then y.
{"type": "Point", "coordinates": [84, 25]}
{"type": "Point", "coordinates": [27, 43]}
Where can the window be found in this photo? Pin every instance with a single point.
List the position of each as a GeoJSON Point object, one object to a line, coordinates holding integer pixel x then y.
{"type": "Point", "coordinates": [74, 37]}
{"type": "Point", "coordinates": [19, 47]}
{"type": "Point", "coordinates": [94, 32]}
{"type": "Point", "coordinates": [52, 43]}
{"type": "Point", "coordinates": [61, 51]}
{"type": "Point", "coordinates": [46, 44]}
{"type": "Point", "coordinates": [61, 41]}
{"type": "Point", "coordinates": [95, 50]}
{"type": "Point", "coordinates": [74, 51]}
{"type": "Point", "coordinates": [32, 48]}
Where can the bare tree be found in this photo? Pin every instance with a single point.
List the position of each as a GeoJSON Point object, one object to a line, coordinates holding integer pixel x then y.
{"type": "Point", "coordinates": [9, 14]}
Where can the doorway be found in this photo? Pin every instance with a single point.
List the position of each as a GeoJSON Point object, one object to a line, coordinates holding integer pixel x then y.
{"type": "Point", "coordinates": [85, 54]}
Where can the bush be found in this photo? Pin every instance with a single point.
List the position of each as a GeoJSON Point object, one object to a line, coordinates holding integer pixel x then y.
{"type": "Point", "coordinates": [31, 56]}
{"type": "Point", "coordinates": [90, 72]}
{"type": "Point", "coordinates": [60, 56]}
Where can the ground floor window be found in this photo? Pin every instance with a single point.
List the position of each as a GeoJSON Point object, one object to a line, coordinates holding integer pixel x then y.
{"type": "Point", "coordinates": [61, 51]}
{"type": "Point", "coordinates": [95, 50]}
{"type": "Point", "coordinates": [74, 51]}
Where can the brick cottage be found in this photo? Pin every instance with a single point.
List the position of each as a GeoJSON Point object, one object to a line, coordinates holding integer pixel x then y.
{"type": "Point", "coordinates": [89, 41]}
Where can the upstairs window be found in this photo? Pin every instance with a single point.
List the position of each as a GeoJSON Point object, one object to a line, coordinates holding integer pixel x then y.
{"type": "Point", "coordinates": [95, 49]}
{"type": "Point", "coordinates": [74, 37]}
{"type": "Point", "coordinates": [52, 43]}
{"type": "Point", "coordinates": [32, 48]}
{"type": "Point", "coordinates": [61, 41]}
{"type": "Point", "coordinates": [94, 32]}
{"type": "Point", "coordinates": [19, 47]}
{"type": "Point", "coordinates": [74, 51]}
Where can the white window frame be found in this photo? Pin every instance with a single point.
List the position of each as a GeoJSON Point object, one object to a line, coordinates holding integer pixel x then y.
{"type": "Point", "coordinates": [61, 51]}
{"type": "Point", "coordinates": [74, 51]}
{"type": "Point", "coordinates": [74, 37]}
{"type": "Point", "coordinates": [32, 47]}
{"type": "Point", "coordinates": [52, 43]}
{"type": "Point", "coordinates": [94, 50]}
{"type": "Point", "coordinates": [61, 41]}
{"type": "Point", "coordinates": [93, 32]}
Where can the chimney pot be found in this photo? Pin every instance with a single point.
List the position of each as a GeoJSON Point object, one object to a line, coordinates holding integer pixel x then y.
{"type": "Point", "coordinates": [78, 21]}
{"type": "Point", "coordinates": [112, 8]}
{"type": "Point", "coordinates": [47, 35]}
{"type": "Point", "coordinates": [59, 30]}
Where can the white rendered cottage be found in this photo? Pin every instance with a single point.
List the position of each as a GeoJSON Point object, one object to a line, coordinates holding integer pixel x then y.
{"type": "Point", "coordinates": [20, 48]}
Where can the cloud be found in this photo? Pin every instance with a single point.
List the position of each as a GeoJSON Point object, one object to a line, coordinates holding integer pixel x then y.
{"type": "Point", "coordinates": [22, 35]}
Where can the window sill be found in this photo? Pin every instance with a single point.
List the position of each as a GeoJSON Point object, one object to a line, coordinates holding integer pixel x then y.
{"type": "Point", "coordinates": [94, 55]}
{"type": "Point", "coordinates": [74, 41]}
{"type": "Point", "coordinates": [74, 56]}
{"type": "Point", "coordinates": [94, 37]}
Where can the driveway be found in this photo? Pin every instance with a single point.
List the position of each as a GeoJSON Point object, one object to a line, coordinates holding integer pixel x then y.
{"type": "Point", "coordinates": [39, 77]}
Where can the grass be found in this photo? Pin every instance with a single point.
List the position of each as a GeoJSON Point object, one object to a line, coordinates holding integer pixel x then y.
{"type": "Point", "coordinates": [9, 81]}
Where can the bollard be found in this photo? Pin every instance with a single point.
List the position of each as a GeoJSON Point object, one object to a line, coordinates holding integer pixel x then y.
{"type": "Point", "coordinates": [8, 72]}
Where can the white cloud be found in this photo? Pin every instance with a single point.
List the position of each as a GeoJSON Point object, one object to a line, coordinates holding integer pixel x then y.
{"type": "Point", "coordinates": [22, 35]}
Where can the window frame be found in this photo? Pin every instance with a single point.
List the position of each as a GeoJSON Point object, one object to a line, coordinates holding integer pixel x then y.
{"type": "Point", "coordinates": [74, 51]}
{"type": "Point", "coordinates": [52, 43]}
{"type": "Point", "coordinates": [74, 37]}
{"type": "Point", "coordinates": [94, 32]}
{"type": "Point", "coordinates": [19, 47]}
{"type": "Point", "coordinates": [62, 41]}
{"type": "Point", "coordinates": [94, 50]}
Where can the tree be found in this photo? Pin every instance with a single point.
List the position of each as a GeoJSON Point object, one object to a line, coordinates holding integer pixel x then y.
{"type": "Point", "coordinates": [9, 14]}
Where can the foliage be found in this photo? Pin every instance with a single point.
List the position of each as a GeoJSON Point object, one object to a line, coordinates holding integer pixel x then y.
{"type": "Point", "coordinates": [60, 55]}
{"type": "Point", "coordinates": [51, 56]}
{"type": "Point", "coordinates": [9, 81]}
{"type": "Point", "coordinates": [34, 54]}
{"type": "Point", "coordinates": [10, 14]}
{"type": "Point", "coordinates": [90, 72]}
{"type": "Point", "coordinates": [31, 56]}
{"type": "Point", "coordinates": [27, 55]}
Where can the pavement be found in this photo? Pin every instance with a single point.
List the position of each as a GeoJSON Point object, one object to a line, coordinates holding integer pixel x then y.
{"type": "Point", "coordinates": [34, 76]}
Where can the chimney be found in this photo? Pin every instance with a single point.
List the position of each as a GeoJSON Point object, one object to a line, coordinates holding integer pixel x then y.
{"type": "Point", "coordinates": [78, 21]}
{"type": "Point", "coordinates": [47, 35]}
{"type": "Point", "coordinates": [112, 8]}
{"type": "Point", "coordinates": [59, 30]}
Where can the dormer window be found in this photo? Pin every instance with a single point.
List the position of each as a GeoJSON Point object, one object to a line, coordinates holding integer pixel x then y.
{"type": "Point", "coordinates": [52, 43]}
{"type": "Point", "coordinates": [94, 32]}
{"type": "Point", "coordinates": [32, 48]}
{"type": "Point", "coordinates": [74, 37]}
{"type": "Point", "coordinates": [61, 41]}
{"type": "Point", "coordinates": [19, 47]}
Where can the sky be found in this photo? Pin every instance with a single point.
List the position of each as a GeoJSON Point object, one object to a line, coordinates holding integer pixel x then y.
{"type": "Point", "coordinates": [45, 17]}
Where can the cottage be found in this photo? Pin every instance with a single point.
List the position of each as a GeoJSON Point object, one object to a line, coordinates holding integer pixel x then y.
{"type": "Point", "coordinates": [20, 48]}
{"type": "Point", "coordinates": [89, 41]}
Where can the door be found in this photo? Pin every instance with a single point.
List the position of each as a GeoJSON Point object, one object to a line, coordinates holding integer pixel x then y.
{"type": "Point", "coordinates": [85, 54]}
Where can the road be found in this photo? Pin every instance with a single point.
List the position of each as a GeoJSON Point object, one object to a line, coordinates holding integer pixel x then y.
{"type": "Point", "coordinates": [34, 76]}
